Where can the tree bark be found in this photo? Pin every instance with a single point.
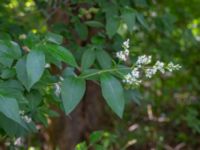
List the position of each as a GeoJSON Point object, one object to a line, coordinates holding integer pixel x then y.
{"type": "Point", "coordinates": [66, 131]}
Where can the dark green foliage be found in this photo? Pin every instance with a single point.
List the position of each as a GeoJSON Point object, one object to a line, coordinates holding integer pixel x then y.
{"type": "Point", "coordinates": [87, 45]}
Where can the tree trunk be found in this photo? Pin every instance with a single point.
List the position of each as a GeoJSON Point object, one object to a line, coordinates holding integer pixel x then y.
{"type": "Point", "coordinates": [89, 115]}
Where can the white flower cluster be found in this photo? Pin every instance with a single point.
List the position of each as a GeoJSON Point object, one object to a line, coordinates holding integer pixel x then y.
{"type": "Point", "coordinates": [171, 67]}
{"type": "Point", "coordinates": [150, 72]}
{"type": "Point", "coordinates": [26, 118]}
{"type": "Point", "coordinates": [143, 60]}
{"type": "Point", "coordinates": [142, 66]}
{"type": "Point", "coordinates": [134, 78]}
{"type": "Point", "coordinates": [159, 66]}
{"type": "Point", "coordinates": [123, 55]}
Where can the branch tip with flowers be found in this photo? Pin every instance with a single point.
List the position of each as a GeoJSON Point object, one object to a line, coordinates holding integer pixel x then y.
{"type": "Point", "coordinates": [142, 68]}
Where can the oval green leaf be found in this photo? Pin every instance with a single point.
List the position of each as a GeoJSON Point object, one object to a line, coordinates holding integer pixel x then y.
{"type": "Point", "coordinates": [103, 59]}
{"type": "Point", "coordinates": [54, 38]}
{"type": "Point", "coordinates": [10, 109]}
{"type": "Point", "coordinates": [88, 59]}
{"type": "Point", "coordinates": [22, 73]}
{"type": "Point", "coordinates": [35, 65]}
{"type": "Point", "coordinates": [57, 53]}
{"type": "Point", "coordinates": [72, 91]}
{"type": "Point", "coordinates": [113, 93]}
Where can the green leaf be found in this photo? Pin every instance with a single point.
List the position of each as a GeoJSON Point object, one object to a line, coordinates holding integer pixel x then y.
{"type": "Point", "coordinates": [87, 74]}
{"type": "Point", "coordinates": [141, 3]}
{"type": "Point", "coordinates": [5, 107]}
{"type": "Point", "coordinates": [98, 40]}
{"type": "Point", "coordinates": [100, 147]}
{"type": "Point", "coordinates": [133, 95]}
{"type": "Point", "coordinates": [7, 73]}
{"type": "Point", "coordinates": [112, 24]}
{"type": "Point", "coordinates": [103, 59]}
{"type": "Point", "coordinates": [81, 30]}
{"type": "Point", "coordinates": [69, 71]}
{"type": "Point", "coordinates": [22, 73]}
{"type": "Point", "coordinates": [41, 117]}
{"type": "Point", "coordinates": [35, 65]}
{"type": "Point", "coordinates": [11, 84]}
{"type": "Point", "coordinates": [5, 36]}
{"type": "Point", "coordinates": [9, 51]}
{"type": "Point", "coordinates": [129, 17]}
{"type": "Point", "coordinates": [31, 40]}
{"type": "Point", "coordinates": [81, 146]}
{"type": "Point", "coordinates": [10, 109]}
{"type": "Point", "coordinates": [141, 20]}
{"type": "Point", "coordinates": [96, 136]}
{"type": "Point", "coordinates": [88, 59]}
{"type": "Point", "coordinates": [112, 19]}
{"type": "Point", "coordinates": [34, 99]}
{"type": "Point", "coordinates": [11, 127]}
{"type": "Point", "coordinates": [13, 89]}
{"type": "Point", "coordinates": [95, 24]}
{"type": "Point", "coordinates": [72, 91]}
{"type": "Point", "coordinates": [57, 53]}
{"type": "Point", "coordinates": [113, 93]}
{"type": "Point", "coordinates": [29, 70]}
{"type": "Point", "coordinates": [54, 38]}
{"type": "Point", "coordinates": [66, 56]}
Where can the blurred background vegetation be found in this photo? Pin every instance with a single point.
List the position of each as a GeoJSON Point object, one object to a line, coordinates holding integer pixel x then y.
{"type": "Point", "coordinates": [162, 114]}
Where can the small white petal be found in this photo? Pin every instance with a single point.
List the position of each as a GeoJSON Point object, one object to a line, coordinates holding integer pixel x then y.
{"type": "Point", "coordinates": [143, 60]}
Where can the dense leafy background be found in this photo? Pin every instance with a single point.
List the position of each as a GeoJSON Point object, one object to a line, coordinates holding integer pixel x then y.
{"type": "Point", "coordinates": [164, 111]}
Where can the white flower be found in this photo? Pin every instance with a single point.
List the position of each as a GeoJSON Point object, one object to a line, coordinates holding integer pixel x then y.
{"type": "Point", "coordinates": [143, 67]}
{"type": "Point", "coordinates": [19, 141]}
{"type": "Point", "coordinates": [26, 118]}
{"type": "Point", "coordinates": [150, 72]}
{"type": "Point", "coordinates": [143, 60]}
{"type": "Point", "coordinates": [153, 14]}
{"type": "Point", "coordinates": [126, 44]}
{"type": "Point", "coordinates": [133, 77]}
{"type": "Point", "coordinates": [21, 112]}
{"type": "Point", "coordinates": [57, 89]}
{"type": "Point", "coordinates": [135, 73]}
{"type": "Point", "coordinates": [47, 65]}
{"type": "Point", "coordinates": [159, 66]}
{"type": "Point", "coordinates": [128, 78]}
{"type": "Point", "coordinates": [123, 55]}
{"type": "Point", "coordinates": [126, 52]}
{"type": "Point", "coordinates": [137, 82]}
{"type": "Point", "coordinates": [171, 67]}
